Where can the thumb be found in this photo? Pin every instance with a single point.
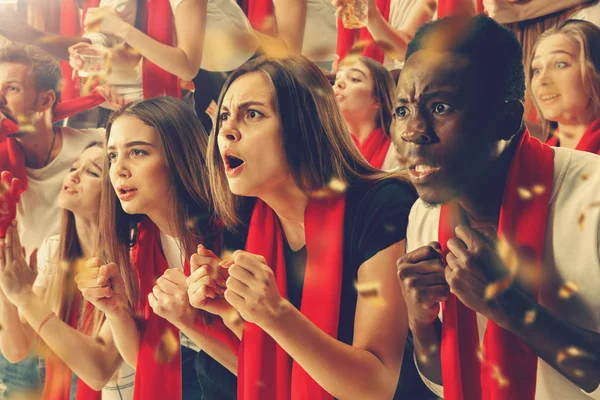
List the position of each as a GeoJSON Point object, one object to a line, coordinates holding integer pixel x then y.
{"type": "Point", "coordinates": [33, 261]}
{"type": "Point", "coordinates": [203, 251]}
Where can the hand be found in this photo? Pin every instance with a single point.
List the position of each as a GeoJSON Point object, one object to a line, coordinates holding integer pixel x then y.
{"type": "Point", "coordinates": [473, 264]}
{"type": "Point", "coordinates": [10, 191]}
{"type": "Point", "coordinates": [252, 289]}
{"type": "Point", "coordinates": [169, 298]}
{"type": "Point", "coordinates": [423, 284]}
{"type": "Point", "coordinates": [340, 6]}
{"type": "Point", "coordinates": [115, 100]}
{"type": "Point", "coordinates": [103, 286]}
{"type": "Point", "coordinates": [75, 60]}
{"type": "Point", "coordinates": [105, 20]}
{"type": "Point", "coordinates": [16, 276]}
{"type": "Point", "coordinates": [206, 284]}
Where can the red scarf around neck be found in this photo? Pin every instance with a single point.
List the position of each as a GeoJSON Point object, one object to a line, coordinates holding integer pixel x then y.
{"type": "Point", "coordinates": [58, 375]}
{"type": "Point", "coordinates": [590, 141]}
{"type": "Point", "coordinates": [375, 148]}
{"type": "Point", "coordinates": [265, 370]}
{"type": "Point", "coordinates": [11, 156]}
{"type": "Point", "coordinates": [347, 37]}
{"type": "Point", "coordinates": [158, 24]}
{"type": "Point", "coordinates": [154, 380]}
{"type": "Point", "coordinates": [522, 223]}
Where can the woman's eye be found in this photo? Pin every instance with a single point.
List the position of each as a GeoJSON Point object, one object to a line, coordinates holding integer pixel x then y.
{"type": "Point", "coordinates": [223, 116]}
{"type": "Point", "coordinates": [93, 173]}
{"type": "Point", "coordinates": [535, 71]}
{"type": "Point", "coordinates": [355, 79]}
{"type": "Point", "coordinates": [253, 114]}
{"type": "Point", "coordinates": [72, 169]}
{"type": "Point", "coordinates": [441, 108]}
{"type": "Point", "coordinates": [136, 152]}
{"type": "Point", "coordinates": [111, 156]}
{"type": "Point", "coordinates": [13, 88]}
{"type": "Point", "coordinates": [401, 112]}
{"type": "Point", "coordinates": [561, 64]}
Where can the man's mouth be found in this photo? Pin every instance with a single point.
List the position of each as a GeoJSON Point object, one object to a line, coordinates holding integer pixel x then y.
{"type": "Point", "coordinates": [421, 173]}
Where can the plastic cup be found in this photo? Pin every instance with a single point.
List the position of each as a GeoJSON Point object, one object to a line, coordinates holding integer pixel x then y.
{"type": "Point", "coordinates": [94, 60]}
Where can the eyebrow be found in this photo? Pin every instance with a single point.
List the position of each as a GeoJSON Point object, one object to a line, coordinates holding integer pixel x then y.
{"type": "Point", "coordinates": [427, 96]}
{"type": "Point", "coordinates": [132, 144]}
{"type": "Point", "coordinates": [97, 165]}
{"type": "Point", "coordinates": [556, 52]}
{"type": "Point", "coordinates": [359, 71]}
{"type": "Point", "coordinates": [246, 104]}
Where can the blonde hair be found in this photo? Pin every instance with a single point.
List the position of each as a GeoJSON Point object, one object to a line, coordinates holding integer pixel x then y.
{"type": "Point", "coordinates": [587, 37]}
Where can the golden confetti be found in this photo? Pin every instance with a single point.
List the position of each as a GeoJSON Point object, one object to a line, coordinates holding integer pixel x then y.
{"type": "Point", "coordinates": [530, 316]}
{"type": "Point", "coordinates": [510, 258]}
{"type": "Point", "coordinates": [567, 290]}
{"type": "Point", "coordinates": [167, 348]}
{"type": "Point", "coordinates": [391, 228]}
{"type": "Point", "coordinates": [370, 291]}
{"type": "Point", "coordinates": [424, 357]}
{"type": "Point", "coordinates": [498, 287]}
{"type": "Point", "coordinates": [334, 188]}
{"type": "Point", "coordinates": [538, 189]}
{"type": "Point", "coordinates": [581, 220]}
{"type": "Point", "coordinates": [499, 377]}
{"type": "Point", "coordinates": [571, 352]}
{"type": "Point", "coordinates": [524, 193]}
{"type": "Point", "coordinates": [585, 177]}
{"type": "Point", "coordinates": [594, 204]}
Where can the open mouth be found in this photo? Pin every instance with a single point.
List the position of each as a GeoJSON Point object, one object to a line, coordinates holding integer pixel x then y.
{"type": "Point", "coordinates": [126, 192]}
{"type": "Point", "coordinates": [548, 97]}
{"type": "Point", "coordinates": [233, 164]}
{"type": "Point", "coordinates": [420, 173]}
{"type": "Point", "coordinates": [69, 189]}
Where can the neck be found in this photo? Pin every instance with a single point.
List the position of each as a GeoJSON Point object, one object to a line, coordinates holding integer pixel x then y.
{"type": "Point", "coordinates": [87, 233]}
{"type": "Point", "coordinates": [164, 218]}
{"type": "Point", "coordinates": [41, 147]}
{"type": "Point", "coordinates": [361, 128]}
{"type": "Point", "coordinates": [570, 132]}
{"type": "Point", "coordinates": [483, 200]}
{"type": "Point", "coordinates": [289, 202]}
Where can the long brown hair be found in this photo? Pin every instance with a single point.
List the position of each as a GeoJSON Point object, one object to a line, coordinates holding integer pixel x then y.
{"type": "Point", "coordinates": [61, 292]}
{"type": "Point", "coordinates": [587, 37]}
{"type": "Point", "coordinates": [384, 89]}
{"type": "Point", "coordinates": [316, 142]}
{"type": "Point", "coordinates": [184, 141]}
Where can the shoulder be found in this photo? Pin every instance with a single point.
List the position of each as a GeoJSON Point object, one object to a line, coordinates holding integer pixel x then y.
{"type": "Point", "coordinates": [83, 135]}
{"type": "Point", "coordinates": [390, 192]}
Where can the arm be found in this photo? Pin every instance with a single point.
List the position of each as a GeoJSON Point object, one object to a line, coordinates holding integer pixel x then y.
{"type": "Point", "coordinates": [291, 22]}
{"type": "Point", "coordinates": [512, 11]}
{"type": "Point", "coordinates": [103, 286]}
{"type": "Point", "coordinates": [183, 60]}
{"type": "Point", "coordinates": [16, 338]}
{"type": "Point", "coordinates": [472, 256]}
{"type": "Point", "coordinates": [367, 369]}
{"type": "Point", "coordinates": [94, 359]}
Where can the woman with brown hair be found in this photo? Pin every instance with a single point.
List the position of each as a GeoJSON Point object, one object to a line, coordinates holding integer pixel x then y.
{"type": "Point", "coordinates": [79, 339]}
{"type": "Point", "coordinates": [321, 221]}
{"type": "Point", "coordinates": [154, 212]}
{"type": "Point", "coordinates": [364, 90]}
{"type": "Point", "coordinates": [565, 84]}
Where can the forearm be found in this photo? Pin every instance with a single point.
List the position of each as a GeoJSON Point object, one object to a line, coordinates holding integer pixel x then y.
{"type": "Point", "coordinates": [383, 32]}
{"type": "Point", "coordinates": [126, 336]}
{"type": "Point", "coordinates": [86, 356]}
{"type": "Point", "coordinates": [344, 371]}
{"type": "Point", "coordinates": [521, 11]}
{"type": "Point", "coordinates": [212, 346]}
{"type": "Point", "coordinates": [55, 45]}
{"type": "Point", "coordinates": [427, 343]}
{"type": "Point", "coordinates": [547, 336]}
{"type": "Point", "coordinates": [15, 343]}
{"type": "Point", "coordinates": [171, 59]}
{"type": "Point", "coordinates": [291, 23]}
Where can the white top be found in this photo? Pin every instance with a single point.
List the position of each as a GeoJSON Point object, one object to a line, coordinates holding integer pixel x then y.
{"type": "Point", "coordinates": [226, 25]}
{"type": "Point", "coordinates": [590, 13]}
{"type": "Point", "coordinates": [126, 81]}
{"type": "Point", "coordinates": [390, 162]}
{"type": "Point", "coordinates": [38, 214]}
{"type": "Point", "coordinates": [176, 259]}
{"type": "Point", "coordinates": [120, 388]}
{"type": "Point", "coordinates": [572, 253]}
{"type": "Point", "coordinates": [399, 11]}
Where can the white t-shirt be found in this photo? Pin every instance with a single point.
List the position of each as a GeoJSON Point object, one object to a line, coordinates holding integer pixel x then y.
{"type": "Point", "coordinates": [126, 81]}
{"type": "Point", "coordinates": [571, 253]}
{"type": "Point", "coordinates": [120, 388]}
{"type": "Point", "coordinates": [590, 13]}
{"type": "Point", "coordinates": [38, 214]}
{"type": "Point", "coordinates": [226, 25]}
{"type": "Point", "coordinates": [176, 259]}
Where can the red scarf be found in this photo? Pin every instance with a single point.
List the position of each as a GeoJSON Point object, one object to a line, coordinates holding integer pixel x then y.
{"type": "Point", "coordinates": [347, 37]}
{"type": "Point", "coordinates": [375, 148]}
{"type": "Point", "coordinates": [522, 222]}
{"type": "Point", "coordinates": [58, 375]}
{"type": "Point", "coordinates": [456, 7]}
{"type": "Point", "coordinates": [159, 25]}
{"type": "Point", "coordinates": [155, 380]}
{"type": "Point", "coordinates": [590, 141]}
{"type": "Point", "coordinates": [11, 156]}
{"type": "Point", "coordinates": [258, 11]}
{"type": "Point", "coordinates": [265, 370]}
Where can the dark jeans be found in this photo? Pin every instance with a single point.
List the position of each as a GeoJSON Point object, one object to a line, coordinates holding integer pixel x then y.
{"type": "Point", "coordinates": [190, 387]}
{"type": "Point", "coordinates": [24, 379]}
{"type": "Point", "coordinates": [216, 381]}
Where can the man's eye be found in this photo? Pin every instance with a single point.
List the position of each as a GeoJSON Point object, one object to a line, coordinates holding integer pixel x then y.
{"type": "Point", "coordinates": [401, 112]}
{"type": "Point", "coordinates": [441, 108]}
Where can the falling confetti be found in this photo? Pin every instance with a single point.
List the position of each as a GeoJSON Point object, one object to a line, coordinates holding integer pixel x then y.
{"type": "Point", "coordinates": [370, 291]}
{"type": "Point", "coordinates": [530, 316]}
{"type": "Point", "coordinates": [585, 177]}
{"type": "Point", "coordinates": [570, 353]}
{"type": "Point", "coordinates": [567, 290]}
{"type": "Point", "coordinates": [391, 228]}
{"type": "Point", "coordinates": [425, 357]}
{"type": "Point", "coordinates": [499, 377]}
{"type": "Point", "coordinates": [524, 193]}
{"type": "Point", "coordinates": [167, 348]}
{"type": "Point", "coordinates": [509, 257]}
{"type": "Point", "coordinates": [538, 189]}
{"type": "Point", "coordinates": [334, 188]}
{"type": "Point", "coordinates": [581, 221]}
